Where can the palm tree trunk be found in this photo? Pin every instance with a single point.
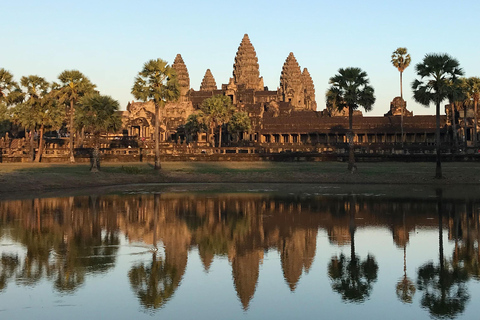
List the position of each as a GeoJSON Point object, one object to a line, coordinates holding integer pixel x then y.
{"type": "Point", "coordinates": [351, 156]}
{"type": "Point", "coordinates": [454, 127]}
{"type": "Point", "coordinates": [72, 157]}
{"type": "Point", "coordinates": [220, 136]}
{"type": "Point", "coordinates": [96, 154]}
{"type": "Point", "coordinates": [464, 127]}
{"type": "Point", "coordinates": [40, 144]}
{"type": "Point", "coordinates": [32, 146]}
{"type": "Point", "coordinates": [438, 168]}
{"type": "Point", "coordinates": [475, 125]}
{"type": "Point", "coordinates": [157, 165]}
{"type": "Point", "coordinates": [403, 107]}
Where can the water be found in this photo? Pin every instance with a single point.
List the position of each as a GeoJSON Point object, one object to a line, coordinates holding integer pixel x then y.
{"type": "Point", "coordinates": [256, 253]}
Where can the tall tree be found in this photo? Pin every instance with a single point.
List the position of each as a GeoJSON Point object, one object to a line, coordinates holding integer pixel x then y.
{"type": "Point", "coordinates": [456, 95]}
{"type": "Point", "coordinates": [473, 84]}
{"type": "Point", "coordinates": [240, 122]}
{"type": "Point", "coordinates": [10, 94]}
{"type": "Point", "coordinates": [401, 60]}
{"type": "Point", "coordinates": [193, 126]}
{"type": "Point", "coordinates": [74, 85]}
{"type": "Point", "coordinates": [156, 82]}
{"type": "Point", "coordinates": [435, 72]}
{"type": "Point", "coordinates": [217, 111]}
{"type": "Point", "coordinates": [29, 113]}
{"type": "Point", "coordinates": [97, 114]}
{"type": "Point", "coordinates": [350, 88]}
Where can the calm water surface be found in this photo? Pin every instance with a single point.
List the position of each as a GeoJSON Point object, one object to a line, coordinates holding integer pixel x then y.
{"type": "Point", "coordinates": [254, 254]}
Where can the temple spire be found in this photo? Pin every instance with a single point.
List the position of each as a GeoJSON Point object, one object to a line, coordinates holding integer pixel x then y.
{"type": "Point", "coordinates": [291, 87]}
{"type": "Point", "coordinates": [245, 69]}
{"type": "Point", "coordinates": [208, 82]}
{"type": "Point", "coordinates": [309, 91]}
{"type": "Point", "coordinates": [182, 74]}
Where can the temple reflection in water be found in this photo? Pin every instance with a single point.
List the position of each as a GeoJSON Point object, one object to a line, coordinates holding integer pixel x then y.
{"type": "Point", "coordinates": [67, 241]}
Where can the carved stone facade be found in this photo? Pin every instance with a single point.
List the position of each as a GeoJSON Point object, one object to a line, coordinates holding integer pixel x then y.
{"type": "Point", "coordinates": [182, 76]}
{"type": "Point", "coordinates": [245, 69]}
{"type": "Point", "coordinates": [286, 116]}
{"type": "Point", "coordinates": [396, 107]}
{"type": "Point", "coordinates": [208, 82]}
{"type": "Point", "coordinates": [291, 84]}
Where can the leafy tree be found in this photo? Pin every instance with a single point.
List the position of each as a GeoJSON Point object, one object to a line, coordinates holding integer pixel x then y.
{"type": "Point", "coordinates": [240, 122]}
{"type": "Point", "coordinates": [97, 114]}
{"type": "Point", "coordinates": [217, 111]}
{"type": "Point", "coordinates": [435, 72]}
{"type": "Point", "coordinates": [74, 85]}
{"type": "Point", "coordinates": [156, 82]}
{"type": "Point", "coordinates": [193, 125]}
{"type": "Point", "coordinates": [10, 94]}
{"type": "Point", "coordinates": [401, 60]}
{"type": "Point", "coordinates": [473, 84]}
{"type": "Point", "coordinates": [456, 95]}
{"type": "Point", "coordinates": [350, 89]}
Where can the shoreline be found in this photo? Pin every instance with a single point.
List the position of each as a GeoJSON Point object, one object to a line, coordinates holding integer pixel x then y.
{"type": "Point", "coordinates": [28, 179]}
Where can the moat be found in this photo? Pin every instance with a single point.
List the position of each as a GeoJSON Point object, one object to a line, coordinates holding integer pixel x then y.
{"type": "Point", "coordinates": [261, 252]}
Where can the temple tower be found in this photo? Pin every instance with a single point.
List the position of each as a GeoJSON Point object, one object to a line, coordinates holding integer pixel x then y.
{"type": "Point", "coordinates": [291, 87]}
{"type": "Point", "coordinates": [309, 91]}
{"type": "Point", "coordinates": [245, 69]}
{"type": "Point", "coordinates": [182, 75]}
{"type": "Point", "coordinates": [208, 82]}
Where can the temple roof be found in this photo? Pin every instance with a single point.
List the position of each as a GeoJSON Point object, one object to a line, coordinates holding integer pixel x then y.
{"type": "Point", "coordinates": [245, 69]}
{"type": "Point", "coordinates": [208, 82]}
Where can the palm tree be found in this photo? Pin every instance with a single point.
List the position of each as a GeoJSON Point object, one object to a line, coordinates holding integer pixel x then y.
{"type": "Point", "coordinates": [7, 87]}
{"type": "Point", "coordinates": [401, 60]}
{"type": "Point", "coordinates": [456, 95]}
{"type": "Point", "coordinates": [474, 89]}
{"type": "Point", "coordinates": [350, 89]}
{"type": "Point", "coordinates": [435, 72]}
{"type": "Point", "coordinates": [97, 114]}
{"type": "Point", "coordinates": [74, 85]}
{"type": "Point", "coordinates": [29, 113]}
{"type": "Point", "coordinates": [156, 82]}
{"type": "Point", "coordinates": [216, 111]}
{"type": "Point", "coordinates": [240, 122]}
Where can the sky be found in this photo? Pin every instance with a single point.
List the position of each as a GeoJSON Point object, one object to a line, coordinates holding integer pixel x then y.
{"type": "Point", "coordinates": [109, 41]}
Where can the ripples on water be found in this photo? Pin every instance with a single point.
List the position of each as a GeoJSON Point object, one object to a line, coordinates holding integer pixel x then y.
{"type": "Point", "coordinates": [261, 253]}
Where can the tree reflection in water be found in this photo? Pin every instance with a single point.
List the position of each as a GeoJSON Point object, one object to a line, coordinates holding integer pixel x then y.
{"type": "Point", "coordinates": [444, 285]}
{"type": "Point", "coordinates": [154, 284]}
{"type": "Point", "coordinates": [352, 277]}
{"type": "Point", "coordinates": [68, 240]}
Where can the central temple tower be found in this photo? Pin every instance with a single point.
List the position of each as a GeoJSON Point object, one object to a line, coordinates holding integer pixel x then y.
{"type": "Point", "coordinates": [245, 69]}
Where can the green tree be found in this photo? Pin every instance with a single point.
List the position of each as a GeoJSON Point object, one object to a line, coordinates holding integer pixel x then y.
{"type": "Point", "coordinates": [401, 60]}
{"type": "Point", "coordinates": [435, 72]}
{"type": "Point", "coordinates": [350, 89]}
{"type": "Point", "coordinates": [98, 114]}
{"type": "Point", "coordinates": [456, 95]}
{"type": "Point", "coordinates": [74, 85]}
{"type": "Point", "coordinates": [240, 122]}
{"type": "Point", "coordinates": [28, 113]}
{"type": "Point", "coordinates": [156, 82]}
{"type": "Point", "coordinates": [10, 94]}
{"type": "Point", "coordinates": [473, 84]}
{"type": "Point", "coordinates": [193, 126]}
{"type": "Point", "coordinates": [215, 112]}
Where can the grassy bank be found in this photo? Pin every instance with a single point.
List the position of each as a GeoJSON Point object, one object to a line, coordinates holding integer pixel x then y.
{"type": "Point", "coordinates": [26, 177]}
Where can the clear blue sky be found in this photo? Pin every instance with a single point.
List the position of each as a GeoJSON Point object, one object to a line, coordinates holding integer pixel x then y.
{"type": "Point", "coordinates": [109, 41]}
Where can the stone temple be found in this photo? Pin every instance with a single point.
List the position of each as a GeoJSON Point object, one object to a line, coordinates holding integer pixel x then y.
{"type": "Point", "coordinates": [284, 116]}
